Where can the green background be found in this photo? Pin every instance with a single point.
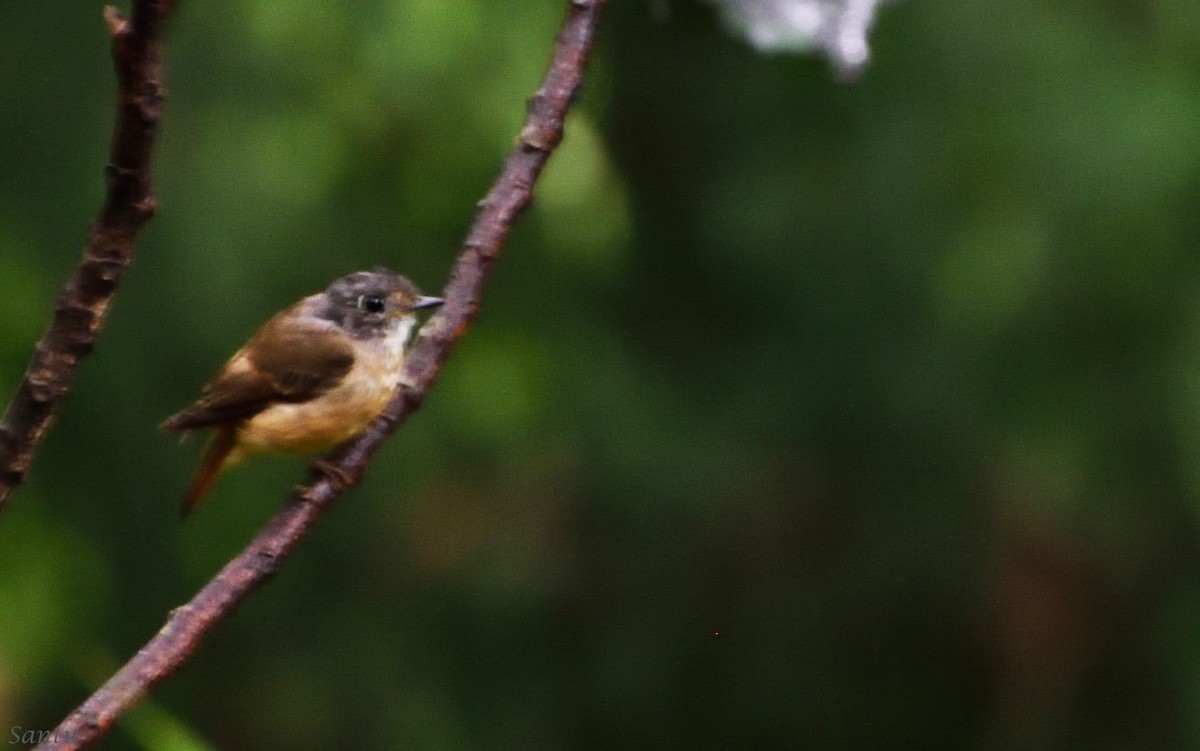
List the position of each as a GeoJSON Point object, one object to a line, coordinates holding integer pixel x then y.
{"type": "Point", "coordinates": [798, 414]}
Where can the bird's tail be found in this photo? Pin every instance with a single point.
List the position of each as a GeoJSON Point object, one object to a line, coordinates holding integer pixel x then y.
{"type": "Point", "coordinates": [223, 441]}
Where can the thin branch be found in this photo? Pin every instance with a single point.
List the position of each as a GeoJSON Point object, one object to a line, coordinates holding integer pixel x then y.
{"type": "Point", "coordinates": [129, 204]}
{"type": "Point", "coordinates": [187, 626]}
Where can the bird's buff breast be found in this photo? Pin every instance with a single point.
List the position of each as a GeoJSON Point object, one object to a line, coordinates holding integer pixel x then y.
{"type": "Point", "coordinates": [335, 416]}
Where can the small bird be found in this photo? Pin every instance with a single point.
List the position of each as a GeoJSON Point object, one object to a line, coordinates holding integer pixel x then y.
{"type": "Point", "coordinates": [311, 377]}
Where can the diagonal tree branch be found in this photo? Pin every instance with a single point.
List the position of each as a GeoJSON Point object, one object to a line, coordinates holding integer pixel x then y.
{"type": "Point", "coordinates": [129, 204]}
{"type": "Point", "coordinates": [187, 626]}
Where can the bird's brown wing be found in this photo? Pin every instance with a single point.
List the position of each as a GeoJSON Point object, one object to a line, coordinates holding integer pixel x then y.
{"type": "Point", "coordinates": [276, 366]}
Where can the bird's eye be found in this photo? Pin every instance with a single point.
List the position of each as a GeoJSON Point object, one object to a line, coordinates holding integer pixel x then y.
{"type": "Point", "coordinates": [370, 303]}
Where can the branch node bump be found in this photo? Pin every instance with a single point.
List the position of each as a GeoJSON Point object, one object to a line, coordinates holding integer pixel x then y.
{"type": "Point", "coordinates": [265, 563]}
{"type": "Point", "coordinates": [147, 206]}
{"type": "Point", "coordinates": [118, 24]}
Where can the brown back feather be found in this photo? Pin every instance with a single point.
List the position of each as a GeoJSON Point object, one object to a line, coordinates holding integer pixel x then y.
{"type": "Point", "coordinates": [280, 364]}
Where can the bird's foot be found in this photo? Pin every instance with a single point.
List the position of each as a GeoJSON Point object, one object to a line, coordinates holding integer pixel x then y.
{"type": "Point", "coordinates": [333, 472]}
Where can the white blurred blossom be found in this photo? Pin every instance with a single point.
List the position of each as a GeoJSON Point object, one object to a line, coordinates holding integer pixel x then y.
{"type": "Point", "coordinates": [838, 28]}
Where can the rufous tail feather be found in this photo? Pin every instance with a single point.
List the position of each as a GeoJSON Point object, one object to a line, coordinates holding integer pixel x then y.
{"type": "Point", "coordinates": [223, 441]}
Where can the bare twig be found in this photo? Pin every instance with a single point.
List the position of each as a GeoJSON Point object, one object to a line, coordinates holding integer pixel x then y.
{"type": "Point", "coordinates": [129, 204]}
{"type": "Point", "coordinates": [187, 625]}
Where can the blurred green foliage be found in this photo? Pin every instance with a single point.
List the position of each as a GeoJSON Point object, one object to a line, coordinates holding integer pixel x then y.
{"type": "Point", "coordinates": [798, 415]}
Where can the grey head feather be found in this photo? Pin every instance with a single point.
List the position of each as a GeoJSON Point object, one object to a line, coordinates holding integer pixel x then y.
{"type": "Point", "coordinates": [349, 301]}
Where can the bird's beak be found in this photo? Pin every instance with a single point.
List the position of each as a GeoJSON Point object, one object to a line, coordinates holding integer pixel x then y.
{"type": "Point", "coordinates": [424, 303]}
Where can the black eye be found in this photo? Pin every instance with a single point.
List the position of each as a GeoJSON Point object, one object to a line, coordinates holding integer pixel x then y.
{"type": "Point", "coordinates": [370, 303]}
